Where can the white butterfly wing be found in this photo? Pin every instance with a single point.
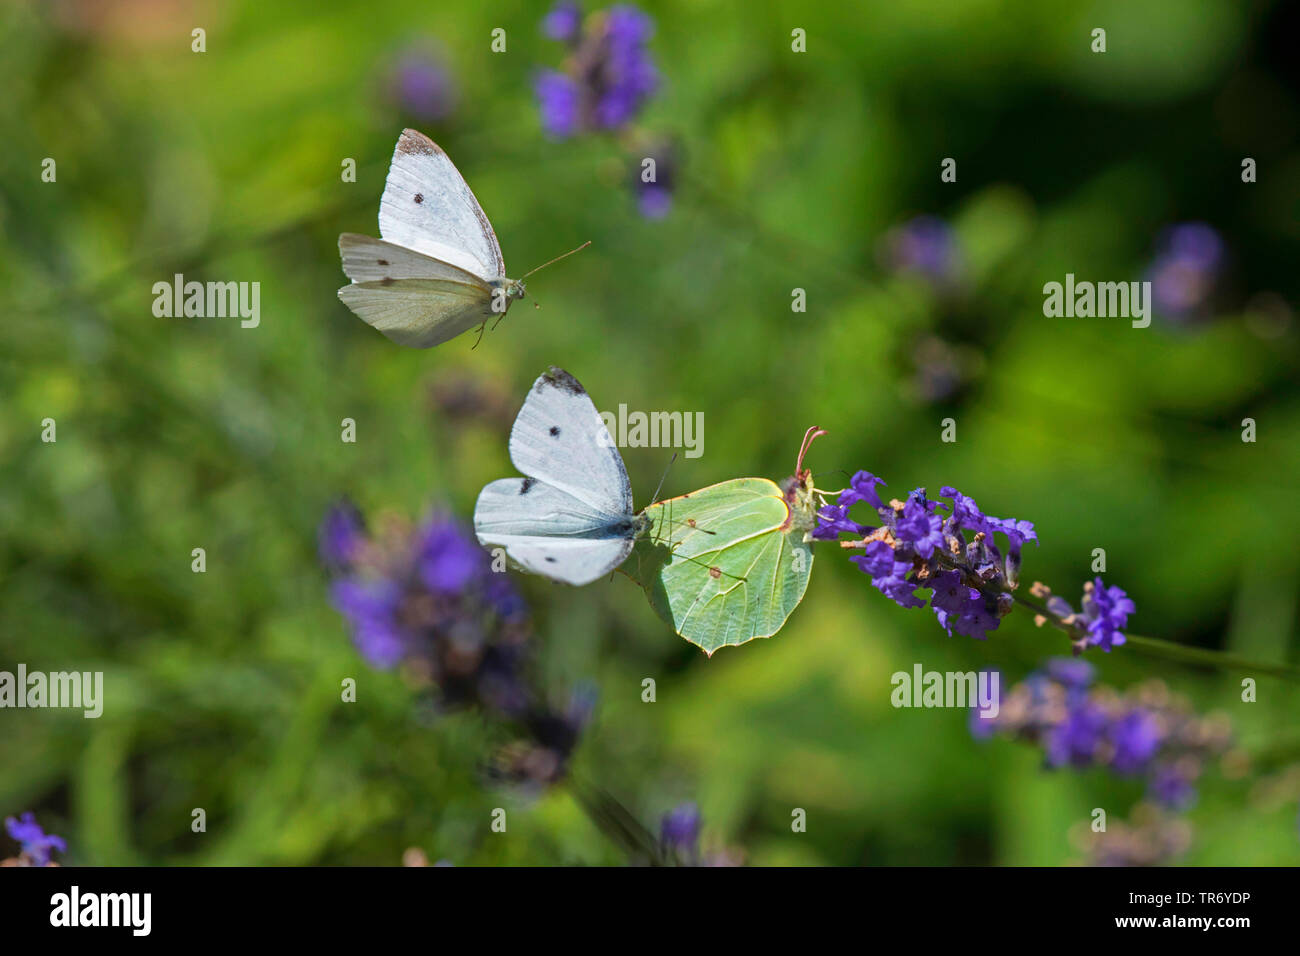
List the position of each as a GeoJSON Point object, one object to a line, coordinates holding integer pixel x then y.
{"type": "Point", "coordinates": [560, 439]}
{"type": "Point", "coordinates": [419, 312]}
{"type": "Point", "coordinates": [550, 532]}
{"type": "Point", "coordinates": [366, 259]}
{"type": "Point", "coordinates": [573, 562]}
{"type": "Point", "coordinates": [427, 206]}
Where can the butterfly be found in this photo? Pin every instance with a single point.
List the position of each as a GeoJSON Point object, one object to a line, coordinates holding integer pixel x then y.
{"type": "Point", "coordinates": [438, 270]}
{"type": "Point", "coordinates": [570, 517]}
{"type": "Point", "coordinates": [730, 562]}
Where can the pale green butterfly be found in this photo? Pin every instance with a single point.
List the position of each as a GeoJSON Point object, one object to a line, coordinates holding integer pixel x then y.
{"type": "Point", "coordinates": [438, 270]}
{"type": "Point", "coordinates": [730, 562]}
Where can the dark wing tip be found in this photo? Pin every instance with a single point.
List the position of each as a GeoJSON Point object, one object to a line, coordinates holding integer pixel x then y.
{"type": "Point", "coordinates": [559, 378]}
{"type": "Point", "coordinates": [413, 141]}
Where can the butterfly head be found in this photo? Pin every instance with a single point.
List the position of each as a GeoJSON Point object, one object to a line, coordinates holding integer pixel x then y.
{"type": "Point", "coordinates": [509, 288]}
{"type": "Point", "coordinates": [800, 495]}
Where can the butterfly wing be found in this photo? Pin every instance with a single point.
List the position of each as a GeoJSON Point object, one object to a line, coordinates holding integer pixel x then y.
{"type": "Point", "coordinates": [550, 532]}
{"type": "Point", "coordinates": [560, 439]}
{"type": "Point", "coordinates": [427, 206]}
{"type": "Point", "coordinates": [419, 312]}
{"type": "Point", "coordinates": [720, 564]}
{"type": "Point", "coordinates": [366, 259]}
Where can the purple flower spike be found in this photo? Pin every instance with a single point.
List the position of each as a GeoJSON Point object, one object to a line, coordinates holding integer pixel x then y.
{"type": "Point", "coordinates": [35, 843]}
{"type": "Point", "coordinates": [607, 80]}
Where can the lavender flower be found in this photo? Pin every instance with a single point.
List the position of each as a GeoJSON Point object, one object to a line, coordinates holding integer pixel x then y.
{"type": "Point", "coordinates": [421, 85]}
{"type": "Point", "coordinates": [426, 598]}
{"type": "Point", "coordinates": [922, 543]}
{"type": "Point", "coordinates": [1186, 270]}
{"type": "Point", "coordinates": [341, 535]}
{"type": "Point", "coordinates": [679, 837]}
{"type": "Point", "coordinates": [1154, 837]}
{"type": "Point", "coordinates": [924, 246]}
{"type": "Point", "coordinates": [1106, 610]}
{"type": "Point", "coordinates": [679, 831]}
{"type": "Point", "coordinates": [563, 22]}
{"type": "Point", "coordinates": [1143, 733]}
{"type": "Point", "coordinates": [608, 77]}
{"type": "Point", "coordinates": [559, 100]}
{"type": "Point", "coordinates": [35, 845]}
{"type": "Point", "coordinates": [968, 560]}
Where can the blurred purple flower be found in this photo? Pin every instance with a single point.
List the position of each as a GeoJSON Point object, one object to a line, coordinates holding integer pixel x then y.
{"type": "Point", "coordinates": [563, 22]}
{"type": "Point", "coordinates": [341, 536]}
{"type": "Point", "coordinates": [924, 246]}
{"type": "Point", "coordinates": [1135, 737]}
{"type": "Point", "coordinates": [34, 843]}
{"type": "Point", "coordinates": [679, 830]}
{"type": "Point", "coordinates": [449, 560]}
{"type": "Point", "coordinates": [608, 78]}
{"type": "Point", "coordinates": [372, 607]}
{"type": "Point", "coordinates": [427, 597]}
{"type": "Point", "coordinates": [1145, 734]}
{"type": "Point", "coordinates": [1185, 270]}
{"type": "Point", "coordinates": [558, 99]}
{"type": "Point", "coordinates": [421, 85]}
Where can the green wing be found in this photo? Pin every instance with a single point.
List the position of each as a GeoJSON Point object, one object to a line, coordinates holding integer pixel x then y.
{"type": "Point", "coordinates": [718, 566]}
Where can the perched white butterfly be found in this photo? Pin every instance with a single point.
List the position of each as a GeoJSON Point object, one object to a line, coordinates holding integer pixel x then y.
{"type": "Point", "coordinates": [571, 517]}
{"type": "Point", "coordinates": [438, 270]}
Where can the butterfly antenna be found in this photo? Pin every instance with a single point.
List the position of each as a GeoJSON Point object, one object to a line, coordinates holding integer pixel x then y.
{"type": "Point", "coordinates": [555, 260]}
{"type": "Point", "coordinates": [810, 436]}
{"type": "Point", "coordinates": [662, 479]}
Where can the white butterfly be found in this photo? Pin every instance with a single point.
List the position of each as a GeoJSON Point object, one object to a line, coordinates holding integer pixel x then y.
{"type": "Point", "coordinates": [571, 518]}
{"type": "Point", "coordinates": [438, 270]}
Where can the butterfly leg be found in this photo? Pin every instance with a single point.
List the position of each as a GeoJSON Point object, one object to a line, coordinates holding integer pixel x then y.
{"type": "Point", "coordinates": [481, 327]}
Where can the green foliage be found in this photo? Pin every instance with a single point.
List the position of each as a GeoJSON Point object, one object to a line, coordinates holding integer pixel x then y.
{"type": "Point", "coordinates": [223, 688]}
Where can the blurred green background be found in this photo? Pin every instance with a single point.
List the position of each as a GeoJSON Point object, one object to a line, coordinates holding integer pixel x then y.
{"type": "Point", "coordinates": [792, 171]}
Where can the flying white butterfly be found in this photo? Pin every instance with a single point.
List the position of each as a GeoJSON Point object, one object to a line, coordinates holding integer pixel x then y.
{"type": "Point", "coordinates": [571, 517]}
{"type": "Point", "coordinates": [438, 270]}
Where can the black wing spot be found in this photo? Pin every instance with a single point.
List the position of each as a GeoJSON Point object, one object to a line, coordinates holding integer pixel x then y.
{"type": "Point", "coordinates": [419, 198]}
{"type": "Point", "coordinates": [549, 559]}
{"type": "Point", "coordinates": [382, 262]}
{"type": "Point", "coordinates": [526, 485]}
{"type": "Point", "coordinates": [555, 431]}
